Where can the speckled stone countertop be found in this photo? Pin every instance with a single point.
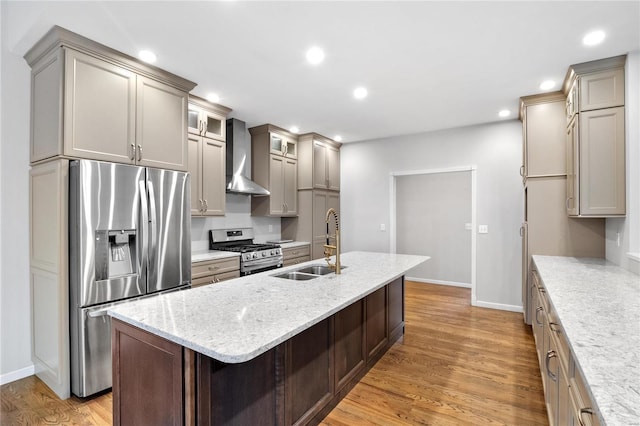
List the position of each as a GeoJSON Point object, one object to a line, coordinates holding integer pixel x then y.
{"type": "Point", "coordinates": [204, 255]}
{"type": "Point", "coordinates": [236, 320]}
{"type": "Point", "coordinates": [598, 305]}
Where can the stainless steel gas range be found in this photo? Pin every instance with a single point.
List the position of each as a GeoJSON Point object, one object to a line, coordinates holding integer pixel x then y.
{"type": "Point", "coordinates": [254, 257]}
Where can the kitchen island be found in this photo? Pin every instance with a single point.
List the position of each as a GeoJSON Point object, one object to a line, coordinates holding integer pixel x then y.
{"type": "Point", "coordinates": [257, 349]}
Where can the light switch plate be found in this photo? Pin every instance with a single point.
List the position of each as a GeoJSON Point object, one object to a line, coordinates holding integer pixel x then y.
{"type": "Point", "coordinates": [483, 229]}
{"type": "Point", "coordinates": [383, 227]}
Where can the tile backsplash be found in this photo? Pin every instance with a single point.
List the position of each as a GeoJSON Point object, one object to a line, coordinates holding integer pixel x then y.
{"type": "Point", "coordinates": [238, 215]}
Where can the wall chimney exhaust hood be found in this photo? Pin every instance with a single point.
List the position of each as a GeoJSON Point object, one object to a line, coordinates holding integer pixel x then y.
{"type": "Point", "coordinates": [237, 152]}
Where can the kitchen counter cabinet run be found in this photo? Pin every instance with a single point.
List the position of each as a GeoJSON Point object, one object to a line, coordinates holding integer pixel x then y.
{"type": "Point", "coordinates": [297, 382]}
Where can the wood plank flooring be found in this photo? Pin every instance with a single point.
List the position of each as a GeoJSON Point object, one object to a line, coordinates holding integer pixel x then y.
{"type": "Point", "coordinates": [456, 365]}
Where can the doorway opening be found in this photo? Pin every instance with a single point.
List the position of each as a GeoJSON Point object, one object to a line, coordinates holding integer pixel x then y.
{"type": "Point", "coordinates": [433, 213]}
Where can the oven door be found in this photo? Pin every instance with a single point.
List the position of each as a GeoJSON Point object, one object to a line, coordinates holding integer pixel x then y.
{"type": "Point", "coordinates": [260, 265]}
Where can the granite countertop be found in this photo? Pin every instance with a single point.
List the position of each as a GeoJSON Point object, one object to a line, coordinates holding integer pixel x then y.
{"type": "Point", "coordinates": [204, 255]}
{"type": "Point", "coordinates": [235, 321]}
{"type": "Point", "coordinates": [598, 305]}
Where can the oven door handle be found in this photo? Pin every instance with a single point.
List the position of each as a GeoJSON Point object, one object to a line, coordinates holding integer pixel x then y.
{"type": "Point", "coordinates": [260, 263]}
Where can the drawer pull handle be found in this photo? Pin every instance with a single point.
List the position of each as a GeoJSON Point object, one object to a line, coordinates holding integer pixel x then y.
{"type": "Point", "coordinates": [540, 309]}
{"type": "Point", "coordinates": [554, 327]}
{"type": "Point", "coordinates": [213, 268]}
{"type": "Point", "coordinates": [588, 411]}
{"type": "Point", "coordinates": [550, 354]}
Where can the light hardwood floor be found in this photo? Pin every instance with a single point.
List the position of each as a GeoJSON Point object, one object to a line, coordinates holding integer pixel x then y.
{"type": "Point", "coordinates": [456, 365]}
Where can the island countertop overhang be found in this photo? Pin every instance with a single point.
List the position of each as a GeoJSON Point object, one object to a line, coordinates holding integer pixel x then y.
{"type": "Point", "coordinates": [237, 320]}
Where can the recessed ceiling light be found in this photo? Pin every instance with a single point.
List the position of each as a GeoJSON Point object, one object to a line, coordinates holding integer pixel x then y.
{"type": "Point", "coordinates": [547, 85]}
{"type": "Point", "coordinates": [147, 56]}
{"type": "Point", "coordinates": [593, 38]}
{"type": "Point", "coordinates": [294, 129]}
{"type": "Point", "coordinates": [504, 113]}
{"type": "Point", "coordinates": [315, 55]}
{"type": "Point", "coordinates": [337, 138]}
{"type": "Point", "coordinates": [213, 97]}
{"type": "Point", "coordinates": [360, 93]}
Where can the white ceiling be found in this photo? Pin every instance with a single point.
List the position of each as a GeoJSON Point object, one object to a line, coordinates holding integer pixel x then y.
{"type": "Point", "coordinates": [427, 65]}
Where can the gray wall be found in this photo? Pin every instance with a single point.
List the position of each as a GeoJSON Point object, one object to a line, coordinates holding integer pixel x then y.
{"type": "Point", "coordinates": [629, 227]}
{"type": "Point", "coordinates": [496, 150]}
{"type": "Point", "coordinates": [431, 212]}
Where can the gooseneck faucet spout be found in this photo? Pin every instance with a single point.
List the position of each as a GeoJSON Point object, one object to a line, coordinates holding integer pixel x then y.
{"type": "Point", "coordinates": [329, 249]}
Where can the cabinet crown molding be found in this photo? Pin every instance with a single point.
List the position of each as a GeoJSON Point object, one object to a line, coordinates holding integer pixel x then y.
{"type": "Point", "coordinates": [271, 128]}
{"type": "Point", "coordinates": [203, 103]}
{"type": "Point", "coordinates": [320, 138]}
{"type": "Point", "coordinates": [540, 98]}
{"type": "Point", "coordinates": [58, 37]}
{"type": "Point", "coordinates": [605, 64]}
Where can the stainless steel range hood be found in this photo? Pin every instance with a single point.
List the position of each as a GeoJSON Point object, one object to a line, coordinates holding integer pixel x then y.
{"type": "Point", "coordinates": [237, 151]}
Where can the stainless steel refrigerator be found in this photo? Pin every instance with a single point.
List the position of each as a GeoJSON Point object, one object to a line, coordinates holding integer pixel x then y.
{"type": "Point", "coordinates": [129, 237]}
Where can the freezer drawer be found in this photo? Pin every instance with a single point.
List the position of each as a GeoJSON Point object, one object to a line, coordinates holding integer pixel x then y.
{"type": "Point", "coordinates": [90, 350]}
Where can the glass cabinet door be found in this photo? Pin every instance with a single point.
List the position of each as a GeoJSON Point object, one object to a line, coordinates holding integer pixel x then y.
{"type": "Point", "coordinates": [214, 126]}
{"type": "Point", "coordinates": [193, 120]}
{"type": "Point", "coordinates": [291, 149]}
{"type": "Point", "coordinates": [277, 144]}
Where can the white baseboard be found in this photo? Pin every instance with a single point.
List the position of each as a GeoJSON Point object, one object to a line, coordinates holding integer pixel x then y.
{"type": "Point", "coordinates": [440, 282]}
{"type": "Point", "coordinates": [12, 376]}
{"type": "Point", "coordinates": [499, 306]}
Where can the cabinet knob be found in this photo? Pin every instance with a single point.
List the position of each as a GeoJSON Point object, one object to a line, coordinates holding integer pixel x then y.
{"type": "Point", "coordinates": [522, 170]}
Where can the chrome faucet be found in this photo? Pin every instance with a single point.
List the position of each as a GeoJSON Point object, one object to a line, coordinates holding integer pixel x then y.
{"type": "Point", "coordinates": [329, 249]}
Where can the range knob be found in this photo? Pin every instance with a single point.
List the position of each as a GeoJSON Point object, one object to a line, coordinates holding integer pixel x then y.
{"type": "Point", "coordinates": [255, 255]}
{"type": "Point", "coordinates": [273, 252]}
{"type": "Point", "coordinates": [264, 254]}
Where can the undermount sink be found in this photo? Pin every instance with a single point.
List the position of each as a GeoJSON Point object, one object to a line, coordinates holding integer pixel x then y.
{"type": "Point", "coordinates": [318, 270]}
{"type": "Point", "coordinates": [306, 273]}
{"type": "Point", "coordinates": [297, 276]}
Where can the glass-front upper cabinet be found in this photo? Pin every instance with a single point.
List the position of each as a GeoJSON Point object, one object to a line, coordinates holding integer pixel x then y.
{"type": "Point", "coordinates": [207, 119]}
{"type": "Point", "coordinates": [283, 146]}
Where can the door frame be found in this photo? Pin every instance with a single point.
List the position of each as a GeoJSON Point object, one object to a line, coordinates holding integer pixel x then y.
{"type": "Point", "coordinates": [474, 198]}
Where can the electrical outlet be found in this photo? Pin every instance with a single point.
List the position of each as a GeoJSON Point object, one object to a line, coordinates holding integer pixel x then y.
{"type": "Point", "coordinates": [383, 227]}
{"type": "Point", "coordinates": [483, 229]}
{"type": "Point", "coordinates": [467, 226]}
{"type": "Point", "coordinates": [270, 228]}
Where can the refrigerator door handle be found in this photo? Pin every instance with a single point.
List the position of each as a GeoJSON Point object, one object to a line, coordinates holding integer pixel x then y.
{"type": "Point", "coordinates": [144, 226]}
{"type": "Point", "coordinates": [152, 207]}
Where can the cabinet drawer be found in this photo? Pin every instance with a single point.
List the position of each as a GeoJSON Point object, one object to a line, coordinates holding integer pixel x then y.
{"type": "Point", "coordinates": [301, 251]}
{"type": "Point", "coordinates": [202, 269]}
{"type": "Point", "coordinates": [211, 279]}
{"type": "Point", "coordinates": [583, 405]}
{"type": "Point", "coordinates": [296, 260]}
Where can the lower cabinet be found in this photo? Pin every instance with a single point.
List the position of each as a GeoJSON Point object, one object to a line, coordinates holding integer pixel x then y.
{"type": "Point", "coordinates": [376, 322]}
{"type": "Point", "coordinates": [214, 271]}
{"type": "Point", "coordinates": [566, 394]}
{"type": "Point", "coordinates": [349, 343]}
{"type": "Point", "coordinates": [147, 378]}
{"type": "Point", "coordinates": [308, 373]}
{"type": "Point", "coordinates": [296, 383]}
{"type": "Point", "coordinates": [295, 255]}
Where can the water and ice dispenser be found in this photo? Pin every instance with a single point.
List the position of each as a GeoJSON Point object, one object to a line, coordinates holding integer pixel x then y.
{"type": "Point", "coordinates": [115, 254]}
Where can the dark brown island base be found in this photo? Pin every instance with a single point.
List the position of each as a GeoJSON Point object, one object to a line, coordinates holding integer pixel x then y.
{"type": "Point", "coordinates": [159, 382]}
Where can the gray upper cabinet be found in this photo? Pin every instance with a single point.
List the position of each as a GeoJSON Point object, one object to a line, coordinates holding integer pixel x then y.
{"type": "Point", "coordinates": [274, 166]}
{"type": "Point", "coordinates": [543, 121]}
{"type": "Point", "coordinates": [90, 101]}
{"type": "Point", "coordinates": [595, 139]}
{"type": "Point", "coordinates": [319, 159]}
{"type": "Point", "coordinates": [207, 156]}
